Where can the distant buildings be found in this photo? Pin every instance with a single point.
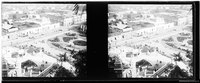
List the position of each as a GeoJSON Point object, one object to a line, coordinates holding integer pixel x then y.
{"type": "Point", "coordinates": [32, 31]}
{"type": "Point", "coordinates": [5, 68]}
{"type": "Point", "coordinates": [128, 35]}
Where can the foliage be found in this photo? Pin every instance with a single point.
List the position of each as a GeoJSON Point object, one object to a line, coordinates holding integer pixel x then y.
{"type": "Point", "coordinates": [181, 39]}
{"type": "Point", "coordinates": [177, 72]}
{"type": "Point", "coordinates": [178, 57]}
{"type": "Point", "coordinates": [70, 34]}
{"type": "Point", "coordinates": [80, 63]}
{"type": "Point", "coordinates": [170, 39]}
{"type": "Point", "coordinates": [83, 35]}
{"type": "Point", "coordinates": [78, 8]}
{"type": "Point", "coordinates": [171, 44]}
{"type": "Point", "coordinates": [62, 72]}
{"type": "Point", "coordinates": [80, 43]}
{"type": "Point", "coordinates": [56, 39]}
{"type": "Point", "coordinates": [184, 34]}
{"type": "Point", "coordinates": [56, 44]}
{"type": "Point", "coordinates": [67, 39]}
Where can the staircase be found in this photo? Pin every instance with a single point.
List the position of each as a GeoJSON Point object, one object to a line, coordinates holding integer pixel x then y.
{"type": "Point", "coordinates": [161, 70]}
{"type": "Point", "coordinates": [48, 70]}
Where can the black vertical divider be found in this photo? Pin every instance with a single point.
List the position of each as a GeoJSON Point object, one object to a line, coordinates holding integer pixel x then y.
{"type": "Point", "coordinates": [196, 37]}
{"type": "Point", "coordinates": [97, 67]}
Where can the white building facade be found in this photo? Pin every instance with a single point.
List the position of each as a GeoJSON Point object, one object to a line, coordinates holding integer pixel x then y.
{"type": "Point", "coordinates": [129, 35]}
{"type": "Point", "coordinates": [29, 32]}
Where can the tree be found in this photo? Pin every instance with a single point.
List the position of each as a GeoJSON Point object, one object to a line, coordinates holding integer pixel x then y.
{"type": "Point", "coordinates": [112, 73]}
{"type": "Point", "coordinates": [191, 62]}
{"type": "Point", "coordinates": [62, 72]}
{"type": "Point", "coordinates": [178, 57]}
{"type": "Point", "coordinates": [177, 72]}
{"type": "Point", "coordinates": [80, 63]}
{"type": "Point", "coordinates": [63, 58]}
{"type": "Point", "coordinates": [78, 7]}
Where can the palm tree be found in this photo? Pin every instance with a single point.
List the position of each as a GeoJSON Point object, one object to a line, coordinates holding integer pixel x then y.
{"type": "Point", "coordinates": [178, 57]}
{"type": "Point", "coordinates": [189, 10]}
{"type": "Point", "coordinates": [78, 7]}
{"type": "Point", "coordinates": [62, 58]}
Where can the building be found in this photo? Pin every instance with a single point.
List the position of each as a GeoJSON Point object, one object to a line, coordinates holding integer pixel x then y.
{"type": "Point", "coordinates": [79, 18]}
{"type": "Point", "coordinates": [68, 21]}
{"type": "Point", "coordinates": [115, 40]}
{"type": "Point", "coordinates": [32, 31]}
{"type": "Point", "coordinates": [182, 21]}
{"type": "Point", "coordinates": [5, 68]}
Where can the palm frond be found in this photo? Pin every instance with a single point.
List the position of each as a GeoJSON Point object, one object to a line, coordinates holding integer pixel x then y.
{"type": "Point", "coordinates": [76, 8]}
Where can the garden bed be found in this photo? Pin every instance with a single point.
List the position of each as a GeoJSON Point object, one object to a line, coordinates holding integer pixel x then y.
{"type": "Point", "coordinates": [171, 44]}
{"type": "Point", "coordinates": [56, 45]}
{"type": "Point", "coordinates": [184, 34]}
{"type": "Point", "coordinates": [80, 43]}
{"type": "Point", "coordinates": [82, 35]}
{"type": "Point", "coordinates": [170, 39]}
{"type": "Point", "coordinates": [67, 39]}
{"type": "Point", "coordinates": [181, 39]}
{"type": "Point", "coordinates": [70, 34]}
{"type": "Point", "coordinates": [55, 40]}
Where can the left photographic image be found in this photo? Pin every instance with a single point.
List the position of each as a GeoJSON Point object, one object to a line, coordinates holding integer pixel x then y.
{"type": "Point", "coordinates": [44, 40]}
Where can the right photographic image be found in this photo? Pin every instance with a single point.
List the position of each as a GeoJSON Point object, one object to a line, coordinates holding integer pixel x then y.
{"type": "Point", "coordinates": [150, 40]}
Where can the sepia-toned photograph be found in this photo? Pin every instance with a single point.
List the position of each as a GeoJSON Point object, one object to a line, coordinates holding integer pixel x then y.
{"type": "Point", "coordinates": [150, 40]}
{"type": "Point", "coordinates": [43, 40]}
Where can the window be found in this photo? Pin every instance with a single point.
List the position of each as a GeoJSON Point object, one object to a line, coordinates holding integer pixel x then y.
{"type": "Point", "coordinates": [4, 66]}
{"type": "Point", "coordinates": [4, 74]}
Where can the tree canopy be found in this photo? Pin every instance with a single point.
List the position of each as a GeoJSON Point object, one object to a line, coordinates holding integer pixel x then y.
{"type": "Point", "coordinates": [62, 72]}
{"type": "Point", "coordinates": [80, 63]}
{"type": "Point", "coordinates": [177, 72]}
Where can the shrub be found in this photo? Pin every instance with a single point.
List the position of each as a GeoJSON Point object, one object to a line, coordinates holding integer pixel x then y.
{"type": "Point", "coordinates": [67, 39]}
{"type": "Point", "coordinates": [170, 39]}
{"type": "Point", "coordinates": [57, 45]}
{"type": "Point", "coordinates": [170, 44]}
{"type": "Point", "coordinates": [70, 34]}
{"type": "Point", "coordinates": [83, 35]}
{"type": "Point", "coordinates": [80, 43]}
{"type": "Point", "coordinates": [55, 40]}
{"type": "Point", "coordinates": [181, 39]}
{"type": "Point", "coordinates": [62, 72]}
{"type": "Point", "coordinates": [184, 34]}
